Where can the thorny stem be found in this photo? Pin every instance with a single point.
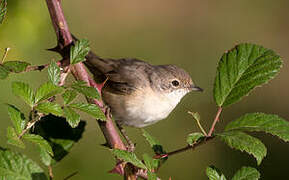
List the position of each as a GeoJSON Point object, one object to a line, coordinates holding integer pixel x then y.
{"type": "Point", "coordinates": [215, 121]}
{"type": "Point", "coordinates": [5, 54]}
{"type": "Point", "coordinates": [50, 172]}
{"type": "Point", "coordinates": [30, 124]}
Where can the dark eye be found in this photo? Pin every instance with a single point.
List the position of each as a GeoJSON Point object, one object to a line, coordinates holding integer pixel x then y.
{"type": "Point", "coordinates": [175, 83]}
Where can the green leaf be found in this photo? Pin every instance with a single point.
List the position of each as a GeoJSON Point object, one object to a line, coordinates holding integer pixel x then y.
{"type": "Point", "coordinates": [69, 96]}
{"type": "Point", "coordinates": [17, 118]}
{"type": "Point", "coordinates": [46, 91]}
{"type": "Point", "coordinates": [49, 107]}
{"type": "Point", "coordinates": [88, 91]}
{"type": "Point", "coordinates": [39, 141]}
{"type": "Point", "coordinates": [150, 162]}
{"type": "Point", "coordinates": [4, 72]}
{"type": "Point", "coordinates": [13, 138]}
{"type": "Point", "coordinates": [152, 176]}
{"type": "Point", "coordinates": [214, 174]}
{"type": "Point", "coordinates": [194, 137]}
{"type": "Point", "coordinates": [79, 51]}
{"type": "Point", "coordinates": [3, 10]}
{"type": "Point", "coordinates": [268, 123]}
{"type": "Point", "coordinates": [54, 73]}
{"type": "Point", "coordinates": [246, 173]}
{"type": "Point", "coordinates": [59, 134]}
{"type": "Point", "coordinates": [91, 109]}
{"type": "Point", "coordinates": [244, 142]}
{"type": "Point", "coordinates": [71, 116]}
{"type": "Point", "coordinates": [45, 157]}
{"type": "Point", "coordinates": [23, 91]}
{"type": "Point", "coordinates": [16, 66]}
{"type": "Point", "coordinates": [242, 69]}
{"type": "Point", "coordinates": [128, 157]}
{"type": "Point", "coordinates": [157, 147]}
{"type": "Point", "coordinates": [15, 166]}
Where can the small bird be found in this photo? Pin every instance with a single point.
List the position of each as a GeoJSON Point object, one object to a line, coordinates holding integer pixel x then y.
{"type": "Point", "coordinates": [138, 93]}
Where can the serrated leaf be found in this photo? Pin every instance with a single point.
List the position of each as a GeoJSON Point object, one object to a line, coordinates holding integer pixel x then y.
{"type": "Point", "coordinates": [4, 72]}
{"type": "Point", "coordinates": [246, 173]}
{"type": "Point", "coordinates": [59, 134]}
{"type": "Point", "coordinates": [45, 157]}
{"type": "Point", "coordinates": [15, 166]}
{"type": "Point", "coordinates": [214, 174]}
{"type": "Point", "coordinates": [13, 139]}
{"type": "Point", "coordinates": [24, 91]}
{"type": "Point", "coordinates": [71, 116]}
{"type": "Point", "coordinates": [88, 91]}
{"type": "Point", "coordinates": [194, 137]}
{"type": "Point", "coordinates": [17, 118]}
{"type": "Point", "coordinates": [242, 69]}
{"type": "Point", "coordinates": [91, 109]}
{"type": "Point", "coordinates": [16, 66]}
{"type": "Point", "coordinates": [156, 146]}
{"type": "Point", "coordinates": [49, 107]}
{"type": "Point", "coordinates": [79, 51]}
{"type": "Point", "coordinates": [150, 162]}
{"type": "Point", "coordinates": [244, 142]}
{"type": "Point", "coordinates": [3, 10]}
{"type": "Point", "coordinates": [128, 157]}
{"type": "Point", "coordinates": [46, 91]}
{"type": "Point", "coordinates": [68, 96]}
{"type": "Point", "coordinates": [268, 123]}
{"type": "Point", "coordinates": [54, 73]}
{"type": "Point", "coordinates": [39, 141]}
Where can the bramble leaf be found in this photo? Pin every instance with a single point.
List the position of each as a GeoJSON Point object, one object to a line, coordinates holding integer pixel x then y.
{"type": "Point", "coordinates": [244, 142]}
{"type": "Point", "coordinates": [214, 174]}
{"type": "Point", "coordinates": [194, 137]}
{"type": "Point", "coordinates": [150, 162]}
{"type": "Point", "coordinates": [16, 66]}
{"type": "Point", "coordinates": [24, 91]}
{"type": "Point", "coordinates": [155, 144]}
{"type": "Point", "coordinates": [128, 157]}
{"type": "Point", "coordinates": [268, 123]}
{"type": "Point", "coordinates": [39, 141]}
{"type": "Point", "coordinates": [71, 116]}
{"type": "Point", "coordinates": [4, 72]}
{"type": "Point", "coordinates": [79, 51]}
{"type": "Point", "coordinates": [17, 166]}
{"type": "Point", "coordinates": [17, 118]}
{"type": "Point", "coordinates": [46, 91]}
{"type": "Point", "coordinates": [54, 73]}
{"type": "Point", "coordinates": [91, 109]}
{"type": "Point", "coordinates": [68, 96]}
{"type": "Point", "coordinates": [246, 173]}
{"type": "Point", "coordinates": [13, 139]}
{"type": "Point", "coordinates": [3, 10]}
{"type": "Point", "coordinates": [49, 107]}
{"type": "Point", "coordinates": [242, 69]}
{"type": "Point", "coordinates": [88, 91]}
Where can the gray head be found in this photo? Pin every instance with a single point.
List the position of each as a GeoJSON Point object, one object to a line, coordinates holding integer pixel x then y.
{"type": "Point", "coordinates": [174, 78]}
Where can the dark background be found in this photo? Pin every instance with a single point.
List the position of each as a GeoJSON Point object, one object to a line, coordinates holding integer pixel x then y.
{"type": "Point", "coordinates": [190, 33]}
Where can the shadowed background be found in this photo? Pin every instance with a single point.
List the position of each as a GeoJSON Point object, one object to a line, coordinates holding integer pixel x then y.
{"type": "Point", "coordinates": [191, 34]}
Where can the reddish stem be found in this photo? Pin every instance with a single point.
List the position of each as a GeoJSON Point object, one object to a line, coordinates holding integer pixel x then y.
{"type": "Point", "coordinates": [215, 122]}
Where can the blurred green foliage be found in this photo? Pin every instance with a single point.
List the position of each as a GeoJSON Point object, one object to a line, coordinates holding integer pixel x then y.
{"type": "Point", "coordinates": [191, 34]}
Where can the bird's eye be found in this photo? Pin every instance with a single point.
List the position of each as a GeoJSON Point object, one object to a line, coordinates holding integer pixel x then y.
{"type": "Point", "coordinates": [175, 83]}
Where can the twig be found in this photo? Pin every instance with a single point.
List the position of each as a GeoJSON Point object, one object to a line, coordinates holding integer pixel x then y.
{"type": "Point", "coordinates": [188, 147]}
{"type": "Point", "coordinates": [71, 175]}
{"type": "Point", "coordinates": [5, 54]}
{"type": "Point", "coordinates": [199, 124]}
{"type": "Point", "coordinates": [31, 123]}
{"type": "Point", "coordinates": [36, 68]}
{"type": "Point", "coordinates": [215, 121]}
{"type": "Point", "coordinates": [50, 172]}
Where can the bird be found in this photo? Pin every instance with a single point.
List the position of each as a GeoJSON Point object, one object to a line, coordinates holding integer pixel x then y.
{"type": "Point", "coordinates": [139, 94]}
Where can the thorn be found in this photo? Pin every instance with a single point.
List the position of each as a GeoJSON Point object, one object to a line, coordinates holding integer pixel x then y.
{"type": "Point", "coordinates": [55, 49]}
{"type": "Point", "coordinates": [106, 145]}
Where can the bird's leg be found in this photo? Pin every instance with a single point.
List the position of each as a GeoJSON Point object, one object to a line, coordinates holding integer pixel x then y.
{"type": "Point", "coordinates": [131, 145]}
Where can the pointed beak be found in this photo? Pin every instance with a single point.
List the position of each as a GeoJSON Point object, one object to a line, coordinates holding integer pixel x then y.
{"type": "Point", "coordinates": [196, 88]}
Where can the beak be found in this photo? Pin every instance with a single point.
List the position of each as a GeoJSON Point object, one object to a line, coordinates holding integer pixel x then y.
{"type": "Point", "coordinates": [196, 88]}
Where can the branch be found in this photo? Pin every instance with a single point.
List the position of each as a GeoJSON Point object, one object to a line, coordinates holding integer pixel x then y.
{"type": "Point", "coordinates": [215, 121]}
